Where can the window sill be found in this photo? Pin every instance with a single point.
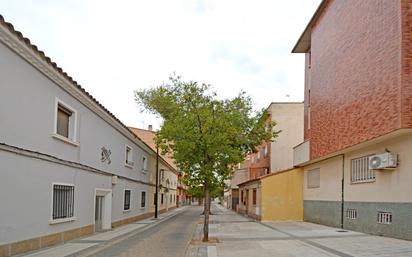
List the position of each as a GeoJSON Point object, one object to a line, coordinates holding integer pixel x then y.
{"type": "Point", "coordinates": [57, 221]}
{"type": "Point", "coordinates": [128, 166]}
{"type": "Point", "coordinates": [142, 208]}
{"type": "Point", "coordinates": [144, 171]}
{"type": "Point", "coordinates": [65, 139]}
{"type": "Point", "coordinates": [363, 181]}
{"type": "Point", "coordinates": [126, 211]}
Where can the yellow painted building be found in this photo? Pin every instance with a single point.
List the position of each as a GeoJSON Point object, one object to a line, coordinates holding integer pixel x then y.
{"type": "Point", "coordinates": [277, 196]}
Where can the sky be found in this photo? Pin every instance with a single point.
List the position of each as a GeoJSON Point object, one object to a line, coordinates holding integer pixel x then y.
{"type": "Point", "coordinates": [112, 48]}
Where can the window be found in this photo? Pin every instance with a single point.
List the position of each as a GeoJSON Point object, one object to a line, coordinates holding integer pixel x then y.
{"type": "Point", "coordinates": [313, 178]}
{"type": "Point", "coordinates": [351, 214]}
{"type": "Point", "coordinates": [126, 205]}
{"type": "Point", "coordinates": [384, 217]}
{"type": "Point", "coordinates": [129, 156]}
{"type": "Point", "coordinates": [170, 198]}
{"type": "Point", "coordinates": [360, 171]}
{"type": "Point", "coordinates": [161, 199]}
{"type": "Point", "coordinates": [154, 199]}
{"type": "Point", "coordinates": [254, 196]}
{"type": "Point", "coordinates": [143, 200]}
{"type": "Point", "coordinates": [63, 202]}
{"type": "Point", "coordinates": [64, 122]}
{"type": "Point", "coordinates": [258, 156]}
{"type": "Point", "coordinates": [241, 196]}
{"type": "Point", "coordinates": [265, 151]}
{"type": "Point", "coordinates": [144, 164]}
{"type": "Point", "coordinates": [162, 174]}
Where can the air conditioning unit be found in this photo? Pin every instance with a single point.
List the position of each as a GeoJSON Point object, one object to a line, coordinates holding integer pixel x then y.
{"type": "Point", "coordinates": [383, 161]}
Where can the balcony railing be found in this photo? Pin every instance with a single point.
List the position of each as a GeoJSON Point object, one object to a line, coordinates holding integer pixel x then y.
{"type": "Point", "coordinates": [301, 153]}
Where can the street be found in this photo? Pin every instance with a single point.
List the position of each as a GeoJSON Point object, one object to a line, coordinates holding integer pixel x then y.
{"type": "Point", "coordinates": [169, 238]}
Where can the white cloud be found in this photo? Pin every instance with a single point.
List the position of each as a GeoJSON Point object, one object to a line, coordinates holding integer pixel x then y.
{"type": "Point", "coordinates": [114, 47]}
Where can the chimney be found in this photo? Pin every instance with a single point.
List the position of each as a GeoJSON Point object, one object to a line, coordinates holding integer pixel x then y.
{"type": "Point", "coordinates": [150, 127]}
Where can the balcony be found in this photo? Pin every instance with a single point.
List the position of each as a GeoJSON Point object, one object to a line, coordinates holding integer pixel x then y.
{"type": "Point", "coordinates": [301, 153]}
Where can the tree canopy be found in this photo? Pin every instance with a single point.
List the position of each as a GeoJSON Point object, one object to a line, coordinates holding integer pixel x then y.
{"type": "Point", "coordinates": [207, 136]}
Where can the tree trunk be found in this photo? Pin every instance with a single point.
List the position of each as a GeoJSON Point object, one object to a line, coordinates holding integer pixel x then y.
{"type": "Point", "coordinates": [206, 212]}
{"type": "Point", "coordinates": [210, 203]}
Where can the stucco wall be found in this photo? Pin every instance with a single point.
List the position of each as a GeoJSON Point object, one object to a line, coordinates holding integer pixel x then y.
{"type": "Point", "coordinates": [330, 180]}
{"type": "Point", "coordinates": [289, 119]}
{"type": "Point", "coordinates": [26, 196]}
{"type": "Point", "coordinates": [32, 96]}
{"type": "Point", "coordinates": [282, 196]}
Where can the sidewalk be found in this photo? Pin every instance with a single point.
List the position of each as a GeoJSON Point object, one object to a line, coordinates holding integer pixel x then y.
{"type": "Point", "coordinates": [99, 241]}
{"type": "Point", "coordinates": [242, 237]}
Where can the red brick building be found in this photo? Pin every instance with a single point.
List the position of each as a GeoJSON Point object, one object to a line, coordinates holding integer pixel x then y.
{"type": "Point", "coordinates": [358, 103]}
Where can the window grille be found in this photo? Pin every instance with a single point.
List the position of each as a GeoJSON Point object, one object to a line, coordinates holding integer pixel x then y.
{"type": "Point", "coordinates": [351, 214]}
{"type": "Point", "coordinates": [63, 201]}
{"type": "Point", "coordinates": [360, 171]}
{"type": "Point", "coordinates": [384, 217]}
{"type": "Point", "coordinates": [126, 200]}
{"type": "Point", "coordinates": [313, 178]}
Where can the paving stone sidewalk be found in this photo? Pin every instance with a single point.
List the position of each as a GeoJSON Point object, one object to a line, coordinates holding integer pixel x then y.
{"type": "Point", "coordinates": [242, 237]}
{"type": "Point", "coordinates": [78, 246]}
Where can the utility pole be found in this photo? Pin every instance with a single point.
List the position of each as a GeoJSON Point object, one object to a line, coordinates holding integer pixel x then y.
{"type": "Point", "coordinates": [157, 181]}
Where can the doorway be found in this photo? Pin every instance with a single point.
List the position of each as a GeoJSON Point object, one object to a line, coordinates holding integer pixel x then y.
{"type": "Point", "coordinates": [103, 209]}
{"type": "Point", "coordinates": [98, 213]}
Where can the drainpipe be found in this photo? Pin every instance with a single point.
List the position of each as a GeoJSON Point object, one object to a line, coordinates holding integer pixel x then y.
{"type": "Point", "coordinates": [343, 192]}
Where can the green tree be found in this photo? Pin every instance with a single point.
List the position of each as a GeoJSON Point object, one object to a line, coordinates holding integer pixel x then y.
{"type": "Point", "coordinates": [206, 136]}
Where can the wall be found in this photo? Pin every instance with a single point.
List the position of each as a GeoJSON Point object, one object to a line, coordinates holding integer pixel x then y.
{"type": "Point", "coordinates": [354, 94]}
{"type": "Point", "coordinates": [29, 181]}
{"type": "Point", "coordinates": [289, 119]}
{"type": "Point", "coordinates": [323, 204]}
{"type": "Point", "coordinates": [390, 191]}
{"type": "Point", "coordinates": [282, 195]}
{"type": "Point", "coordinates": [249, 208]}
{"type": "Point", "coordinates": [31, 123]}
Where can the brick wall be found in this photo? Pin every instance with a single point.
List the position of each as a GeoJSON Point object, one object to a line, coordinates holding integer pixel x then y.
{"type": "Point", "coordinates": [406, 63]}
{"type": "Point", "coordinates": [355, 73]}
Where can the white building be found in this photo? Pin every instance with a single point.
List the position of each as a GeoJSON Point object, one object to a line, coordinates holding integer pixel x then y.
{"type": "Point", "coordinates": [68, 167]}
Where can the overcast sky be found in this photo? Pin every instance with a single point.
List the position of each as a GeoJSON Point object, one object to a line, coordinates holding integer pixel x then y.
{"type": "Point", "coordinates": [115, 47]}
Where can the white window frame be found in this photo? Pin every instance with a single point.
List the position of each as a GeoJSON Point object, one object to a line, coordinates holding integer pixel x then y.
{"type": "Point", "coordinates": [145, 164]}
{"type": "Point", "coordinates": [130, 200]}
{"type": "Point", "coordinates": [128, 160]}
{"type": "Point", "coordinates": [363, 174]}
{"type": "Point", "coordinates": [72, 139]}
{"type": "Point", "coordinates": [145, 199]}
{"type": "Point", "coordinates": [56, 221]}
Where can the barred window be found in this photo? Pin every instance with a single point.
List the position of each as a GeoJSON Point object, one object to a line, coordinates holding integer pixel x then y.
{"type": "Point", "coordinates": [313, 178]}
{"type": "Point", "coordinates": [360, 171]}
{"type": "Point", "coordinates": [63, 202]}
{"type": "Point", "coordinates": [384, 217]}
{"type": "Point", "coordinates": [126, 205]}
{"type": "Point", "coordinates": [351, 214]}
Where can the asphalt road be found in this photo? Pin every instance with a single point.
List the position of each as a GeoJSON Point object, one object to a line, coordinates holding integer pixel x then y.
{"type": "Point", "coordinates": [168, 238]}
